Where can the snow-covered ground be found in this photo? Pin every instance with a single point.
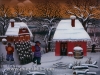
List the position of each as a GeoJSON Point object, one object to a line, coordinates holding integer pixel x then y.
{"type": "Point", "coordinates": [48, 59]}
{"type": "Point", "coordinates": [3, 50]}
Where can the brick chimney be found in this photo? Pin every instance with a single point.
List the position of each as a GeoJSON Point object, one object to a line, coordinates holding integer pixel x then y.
{"type": "Point", "coordinates": [12, 22]}
{"type": "Point", "coordinates": [73, 20]}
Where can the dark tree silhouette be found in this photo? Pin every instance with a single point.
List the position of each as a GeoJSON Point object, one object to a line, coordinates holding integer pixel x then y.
{"type": "Point", "coordinates": [4, 17]}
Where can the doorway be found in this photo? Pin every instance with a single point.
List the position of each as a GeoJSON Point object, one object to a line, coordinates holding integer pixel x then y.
{"type": "Point", "coordinates": [63, 49]}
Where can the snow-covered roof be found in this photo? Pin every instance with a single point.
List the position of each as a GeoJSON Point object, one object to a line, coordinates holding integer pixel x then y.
{"type": "Point", "coordinates": [14, 31]}
{"type": "Point", "coordinates": [65, 32]}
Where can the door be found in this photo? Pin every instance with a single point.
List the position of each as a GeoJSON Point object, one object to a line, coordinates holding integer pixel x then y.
{"type": "Point", "coordinates": [63, 49]}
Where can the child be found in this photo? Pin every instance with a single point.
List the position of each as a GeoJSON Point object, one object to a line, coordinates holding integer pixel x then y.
{"type": "Point", "coordinates": [10, 50]}
{"type": "Point", "coordinates": [37, 53]}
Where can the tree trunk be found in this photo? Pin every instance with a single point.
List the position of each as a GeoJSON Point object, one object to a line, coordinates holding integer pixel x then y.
{"type": "Point", "coordinates": [84, 25]}
{"type": "Point", "coordinates": [49, 43]}
{"type": "Point", "coordinates": [3, 30]}
{"type": "Point", "coordinates": [46, 47]}
{"type": "Point", "coordinates": [33, 37]}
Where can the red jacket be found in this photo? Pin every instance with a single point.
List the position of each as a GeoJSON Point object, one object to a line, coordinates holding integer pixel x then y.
{"type": "Point", "coordinates": [9, 49]}
{"type": "Point", "coordinates": [33, 48]}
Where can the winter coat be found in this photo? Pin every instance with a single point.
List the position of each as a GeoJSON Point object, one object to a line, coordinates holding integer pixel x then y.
{"type": "Point", "coordinates": [9, 49]}
{"type": "Point", "coordinates": [37, 52]}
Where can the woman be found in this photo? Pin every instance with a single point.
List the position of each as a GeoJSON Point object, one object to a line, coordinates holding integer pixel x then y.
{"type": "Point", "coordinates": [37, 53]}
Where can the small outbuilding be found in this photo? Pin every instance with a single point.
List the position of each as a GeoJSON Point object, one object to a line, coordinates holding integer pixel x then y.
{"type": "Point", "coordinates": [69, 34]}
{"type": "Point", "coordinates": [18, 31]}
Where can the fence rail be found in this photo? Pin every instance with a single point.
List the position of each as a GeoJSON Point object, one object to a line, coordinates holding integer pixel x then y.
{"type": "Point", "coordinates": [96, 49]}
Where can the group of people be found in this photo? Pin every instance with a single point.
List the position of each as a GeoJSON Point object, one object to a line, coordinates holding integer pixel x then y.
{"type": "Point", "coordinates": [25, 54]}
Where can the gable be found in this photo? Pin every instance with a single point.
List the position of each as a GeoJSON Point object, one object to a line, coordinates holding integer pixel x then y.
{"type": "Point", "coordinates": [65, 32]}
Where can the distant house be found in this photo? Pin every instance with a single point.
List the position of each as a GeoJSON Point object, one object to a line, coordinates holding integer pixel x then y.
{"type": "Point", "coordinates": [18, 31]}
{"type": "Point", "coordinates": [70, 33]}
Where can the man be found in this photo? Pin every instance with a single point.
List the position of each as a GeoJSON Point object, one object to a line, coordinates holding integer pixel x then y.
{"type": "Point", "coordinates": [37, 53]}
{"type": "Point", "coordinates": [10, 50]}
{"type": "Point", "coordinates": [93, 47]}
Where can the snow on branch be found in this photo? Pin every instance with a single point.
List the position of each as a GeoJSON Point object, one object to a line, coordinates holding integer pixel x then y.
{"type": "Point", "coordinates": [49, 20]}
{"type": "Point", "coordinates": [95, 62]}
{"type": "Point", "coordinates": [45, 26]}
{"type": "Point", "coordinates": [92, 7]}
{"type": "Point", "coordinates": [77, 8]}
{"type": "Point", "coordinates": [80, 67]}
{"type": "Point", "coordinates": [90, 65]}
{"type": "Point", "coordinates": [70, 12]}
{"type": "Point", "coordinates": [80, 72]}
{"type": "Point", "coordinates": [86, 72]}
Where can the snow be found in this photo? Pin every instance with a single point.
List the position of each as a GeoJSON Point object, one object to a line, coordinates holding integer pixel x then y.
{"type": "Point", "coordinates": [4, 39]}
{"type": "Point", "coordinates": [50, 56]}
{"type": "Point", "coordinates": [12, 20]}
{"type": "Point", "coordinates": [78, 48]}
{"type": "Point", "coordinates": [36, 73]}
{"type": "Point", "coordinates": [3, 36]}
{"type": "Point", "coordinates": [73, 17]}
{"type": "Point", "coordinates": [70, 52]}
{"type": "Point", "coordinates": [66, 24]}
{"type": "Point", "coordinates": [65, 32]}
{"type": "Point", "coordinates": [14, 31]}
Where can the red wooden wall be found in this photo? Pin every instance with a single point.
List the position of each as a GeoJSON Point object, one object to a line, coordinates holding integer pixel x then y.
{"type": "Point", "coordinates": [57, 50]}
{"type": "Point", "coordinates": [70, 46]}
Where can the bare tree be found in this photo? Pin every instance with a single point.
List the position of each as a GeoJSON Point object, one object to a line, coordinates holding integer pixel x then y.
{"type": "Point", "coordinates": [47, 38]}
{"type": "Point", "coordinates": [19, 13]}
{"type": "Point", "coordinates": [24, 13]}
{"type": "Point", "coordinates": [83, 10]}
{"type": "Point", "coordinates": [4, 17]}
{"type": "Point", "coordinates": [48, 8]}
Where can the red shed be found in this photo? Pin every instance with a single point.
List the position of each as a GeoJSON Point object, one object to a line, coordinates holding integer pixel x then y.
{"type": "Point", "coordinates": [70, 33]}
{"type": "Point", "coordinates": [18, 31]}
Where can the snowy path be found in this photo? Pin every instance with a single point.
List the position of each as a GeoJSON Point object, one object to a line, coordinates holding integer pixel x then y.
{"type": "Point", "coordinates": [51, 58]}
{"type": "Point", "coordinates": [2, 50]}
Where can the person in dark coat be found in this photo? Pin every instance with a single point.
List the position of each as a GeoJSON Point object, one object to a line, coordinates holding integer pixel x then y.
{"type": "Point", "coordinates": [37, 53]}
{"type": "Point", "coordinates": [93, 48]}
